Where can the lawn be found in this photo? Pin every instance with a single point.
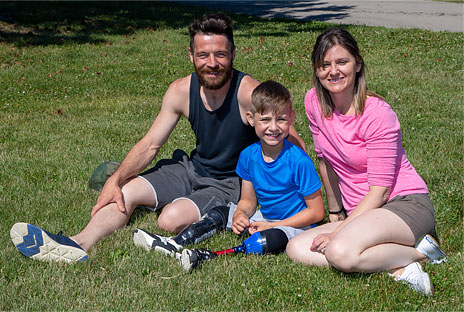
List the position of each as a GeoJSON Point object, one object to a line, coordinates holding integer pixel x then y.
{"type": "Point", "coordinates": [81, 82]}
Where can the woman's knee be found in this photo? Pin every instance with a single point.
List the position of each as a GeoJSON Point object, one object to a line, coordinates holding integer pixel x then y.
{"type": "Point", "coordinates": [298, 249]}
{"type": "Point", "coordinates": [341, 256]}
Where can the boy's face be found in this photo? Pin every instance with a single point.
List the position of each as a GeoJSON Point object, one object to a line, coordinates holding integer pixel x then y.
{"type": "Point", "coordinates": [272, 128]}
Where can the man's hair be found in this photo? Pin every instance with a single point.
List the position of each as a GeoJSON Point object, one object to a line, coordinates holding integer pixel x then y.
{"type": "Point", "coordinates": [327, 40]}
{"type": "Point", "coordinates": [212, 24]}
{"type": "Point", "coordinates": [270, 96]}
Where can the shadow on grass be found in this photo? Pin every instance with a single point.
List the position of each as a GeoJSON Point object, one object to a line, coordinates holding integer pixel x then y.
{"type": "Point", "coordinates": [58, 23]}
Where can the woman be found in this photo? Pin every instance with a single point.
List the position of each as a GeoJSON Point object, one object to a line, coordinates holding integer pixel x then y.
{"type": "Point", "coordinates": [365, 171]}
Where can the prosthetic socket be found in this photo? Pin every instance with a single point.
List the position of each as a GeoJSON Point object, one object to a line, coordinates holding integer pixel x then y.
{"type": "Point", "coordinates": [213, 221]}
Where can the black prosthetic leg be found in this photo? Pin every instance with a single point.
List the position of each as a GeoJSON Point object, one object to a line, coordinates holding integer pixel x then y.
{"type": "Point", "coordinates": [213, 221]}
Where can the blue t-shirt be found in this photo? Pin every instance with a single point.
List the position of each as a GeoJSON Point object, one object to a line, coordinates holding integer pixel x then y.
{"type": "Point", "coordinates": [280, 185]}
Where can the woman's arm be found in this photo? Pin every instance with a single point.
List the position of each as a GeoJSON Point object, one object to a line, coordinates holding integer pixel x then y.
{"type": "Point", "coordinates": [332, 191]}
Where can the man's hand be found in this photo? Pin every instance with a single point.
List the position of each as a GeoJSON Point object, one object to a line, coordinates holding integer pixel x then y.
{"type": "Point", "coordinates": [259, 226]}
{"type": "Point", "coordinates": [320, 242]}
{"type": "Point", "coordinates": [111, 193]}
{"type": "Point", "coordinates": [240, 222]}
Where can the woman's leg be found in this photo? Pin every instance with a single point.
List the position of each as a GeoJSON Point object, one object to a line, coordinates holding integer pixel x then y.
{"type": "Point", "coordinates": [298, 248]}
{"type": "Point", "coordinates": [377, 240]}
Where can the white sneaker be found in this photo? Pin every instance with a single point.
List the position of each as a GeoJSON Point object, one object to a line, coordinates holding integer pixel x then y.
{"type": "Point", "coordinates": [416, 279]}
{"type": "Point", "coordinates": [157, 243]}
{"type": "Point", "coordinates": [428, 246]}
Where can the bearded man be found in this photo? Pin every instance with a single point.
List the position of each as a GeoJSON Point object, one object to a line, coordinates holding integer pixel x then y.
{"type": "Point", "coordinates": [214, 99]}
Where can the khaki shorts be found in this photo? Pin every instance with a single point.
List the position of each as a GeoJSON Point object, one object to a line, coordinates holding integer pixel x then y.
{"type": "Point", "coordinates": [416, 210]}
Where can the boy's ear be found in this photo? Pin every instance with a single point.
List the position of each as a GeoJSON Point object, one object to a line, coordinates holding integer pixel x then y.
{"type": "Point", "coordinates": [249, 116]}
{"type": "Point", "coordinates": [292, 116]}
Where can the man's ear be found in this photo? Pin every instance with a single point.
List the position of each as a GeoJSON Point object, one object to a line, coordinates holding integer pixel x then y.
{"type": "Point", "coordinates": [233, 53]}
{"type": "Point", "coordinates": [191, 55]}
{"type": "Point", "coordinates": [249, 116]}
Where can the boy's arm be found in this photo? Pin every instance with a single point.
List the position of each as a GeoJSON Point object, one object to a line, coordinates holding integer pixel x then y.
{"type": "Point", "coordinates": [313, 213]}
{"type": "Point", "coordinates": [246, 207]}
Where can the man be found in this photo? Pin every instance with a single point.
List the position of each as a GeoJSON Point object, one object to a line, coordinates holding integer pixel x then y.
{"type": "Point", "coordinates": [214, 99]}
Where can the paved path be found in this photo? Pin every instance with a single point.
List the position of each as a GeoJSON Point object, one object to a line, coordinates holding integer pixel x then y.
{"type": "Point", "coordinates": [430, 15]}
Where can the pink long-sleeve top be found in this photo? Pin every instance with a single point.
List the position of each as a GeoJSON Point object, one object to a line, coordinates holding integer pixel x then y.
{"type": "Point", "coordinates": [363, 151]}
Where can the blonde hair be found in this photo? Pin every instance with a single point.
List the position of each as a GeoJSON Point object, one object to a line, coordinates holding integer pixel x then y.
{"type": "Point", "coordinates": [330, 38]}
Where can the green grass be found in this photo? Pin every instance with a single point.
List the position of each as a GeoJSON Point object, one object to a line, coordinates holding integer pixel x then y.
{"type": "Point", "coordinates": [80, 83]}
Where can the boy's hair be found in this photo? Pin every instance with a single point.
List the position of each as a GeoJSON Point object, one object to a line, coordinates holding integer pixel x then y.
{"type": "Point", "coordinates": [212, 24]}
{"type": "Point", "coordinates": [270, 96]}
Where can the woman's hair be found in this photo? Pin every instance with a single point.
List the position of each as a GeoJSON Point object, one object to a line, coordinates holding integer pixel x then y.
{"type": "Point", "coordinates": [212, 24]}
{"type": "Point", "coordinates": [270, 96]}
{"type": "Point", "coordinates": [330, 38]}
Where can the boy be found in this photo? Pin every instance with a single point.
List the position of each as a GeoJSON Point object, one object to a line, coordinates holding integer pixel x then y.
{"type": "Point", "coordinates": [276, 174]}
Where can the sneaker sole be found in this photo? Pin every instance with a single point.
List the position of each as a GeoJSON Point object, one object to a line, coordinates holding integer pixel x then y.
{"type": "Point", "coordinates": [34, 243]}
{"type": "Point", "coordinates": [429, 291]}
{"type": "Point", "coordinates": [185, 260]}
{"type": "Point", "coordinates": [142, 239]}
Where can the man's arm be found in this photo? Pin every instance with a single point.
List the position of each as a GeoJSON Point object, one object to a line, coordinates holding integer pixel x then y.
{"type": "Point", "coordinates": [295, 138]}
{"type": "Point", "coordinates": [175, 103]}
{"type": "Point", "coordinates": [246, 207]}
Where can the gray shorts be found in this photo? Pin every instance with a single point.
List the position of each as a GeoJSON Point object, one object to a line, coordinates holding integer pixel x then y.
{"type": "Point", "coordinates": [416, 210]}
{"type": "Point", "coordinates": [258, 216]}
{"type": "Point", "coordinates": [176, 178]}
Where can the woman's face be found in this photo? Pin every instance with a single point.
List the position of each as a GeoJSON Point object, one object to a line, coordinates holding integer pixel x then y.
{"type": "Point", "coordinates": [338, 71]}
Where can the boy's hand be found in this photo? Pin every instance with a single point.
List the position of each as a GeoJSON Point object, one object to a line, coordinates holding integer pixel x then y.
{"type": "Point", "coordinates": [259, 226]}
{"type": "Point", "coordinates": [240, 222]}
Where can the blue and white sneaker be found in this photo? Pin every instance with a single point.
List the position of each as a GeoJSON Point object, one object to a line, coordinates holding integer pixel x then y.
{"type": "Point", "coordinates": [38, 244]}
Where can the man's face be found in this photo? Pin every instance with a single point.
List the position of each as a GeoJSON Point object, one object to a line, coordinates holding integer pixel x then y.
{"type": "Point", "coordinates": [213, 60]}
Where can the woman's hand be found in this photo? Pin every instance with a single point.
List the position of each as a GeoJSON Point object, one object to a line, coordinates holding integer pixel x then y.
{"type": "Point", "coordinates": [259, 226]}
{"type": "Point", "coordinates": [334, 217]}
{"type": "Point", "coordinates": [320, 242]}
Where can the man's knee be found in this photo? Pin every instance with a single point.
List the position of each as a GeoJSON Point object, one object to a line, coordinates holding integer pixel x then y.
{"type": "Point", "coordinates": [176, 216]}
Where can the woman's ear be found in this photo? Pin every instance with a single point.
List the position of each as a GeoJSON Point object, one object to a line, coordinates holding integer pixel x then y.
{"type": "Point", "coordinates": [249, 116]}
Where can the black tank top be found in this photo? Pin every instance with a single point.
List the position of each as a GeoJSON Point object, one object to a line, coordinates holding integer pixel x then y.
{"type": "Point", "coordinates": [220, 134]}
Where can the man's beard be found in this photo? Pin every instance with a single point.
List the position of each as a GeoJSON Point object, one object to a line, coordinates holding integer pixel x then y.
{"type": "Point", "coordinates": [223, 77]}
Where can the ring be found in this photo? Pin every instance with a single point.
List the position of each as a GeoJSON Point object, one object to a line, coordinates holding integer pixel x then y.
{"type": "Point", "coordinates": [323, 250]}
